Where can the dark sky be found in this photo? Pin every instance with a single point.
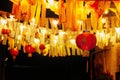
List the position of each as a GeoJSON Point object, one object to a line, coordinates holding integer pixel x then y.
{"type": "Point", "coordinates": [5, 5]}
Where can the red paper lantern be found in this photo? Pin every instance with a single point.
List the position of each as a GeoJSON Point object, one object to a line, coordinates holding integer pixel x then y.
{"type": "Point", "coordinates": [5, 31]}
{"type": "Point", "coordinates": [14, 52]}
{"type": "Point", "coordinates": [42, 47]}
{"type": "Point", "coordinates": [30, 50]}
{"type": "Point", "coordinates": [86, 41]}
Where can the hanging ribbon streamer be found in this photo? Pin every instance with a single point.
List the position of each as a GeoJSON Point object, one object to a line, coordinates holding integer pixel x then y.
{"type": "Point", "coordinates": [100, 24]}
{"type": "Point", "coordinates": [94, 21]}
{"type": "Point", "coordinates": [99, 7]}
{"type": "Point", "coordinates": [103, 6]}
{"type": "Point", "coordinates": [74, 16]}
{"type": "Point", "coordinates": [21, 9]}
{"type": "Point", "coordinates": [117, 5]}
{"type": "Point", "coordinates": [38, 10]}
{"type": "Point", "coordinates": [88, 24]}
{"type": "Point", "coordinates": [106, 5]}
{"type": "Point", "coordinates": [33, 10]}
{"type": "Point", "coordinates": [31, 2]}
{"type": "Point", "coordinates": [43, 14]}
{"type": "Point", "coordinates": [25, 11]}
{"type": "Point", "coordinates": [16, 9]}
{"type": "Point", "coordinates": [68, 24]}
{"type": "Point", "coordinates": [62, 14]}
{"type": "Point", "coordinates": [82, 7]}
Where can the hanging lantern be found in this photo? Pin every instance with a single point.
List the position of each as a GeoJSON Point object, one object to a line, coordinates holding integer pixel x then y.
{"type": "Point", "coordinates": [86, 41]}
{"type": "Point", "coordinates": [30, 50]}
{"type": "Point", "coordinates": [42, 47]}
{"type": "Point", "coordinates": [5, 31]}
{"type": "Point", "coordinates": [14, 52]}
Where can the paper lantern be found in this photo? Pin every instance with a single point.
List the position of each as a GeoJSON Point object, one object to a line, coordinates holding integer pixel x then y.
{"type": "Point", "coordinates": [29, 50]}
{"type": "Point", "coordinates": [14, 52]}
{"type": "Point", "coordinates": [86, 41]}
{"type": "Point", "coordinates": [42, 47]}
{"type": "Point", "coordinates": [5, 31]}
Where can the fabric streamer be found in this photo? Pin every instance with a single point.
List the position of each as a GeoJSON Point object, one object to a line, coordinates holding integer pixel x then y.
{"type": "Point", "coordinates": [43, 14]}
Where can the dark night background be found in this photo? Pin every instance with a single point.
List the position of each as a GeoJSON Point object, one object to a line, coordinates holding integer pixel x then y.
{"type": "Point", "coordinates": [39, 66]}
{"type": "Point", "coordinates": [5, 5]}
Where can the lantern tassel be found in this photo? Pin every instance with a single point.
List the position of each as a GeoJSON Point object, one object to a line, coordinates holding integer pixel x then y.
{"type": "Point", "coordinates": [29, 54]}
{"type": "Point", "coordinates": [14, 57]}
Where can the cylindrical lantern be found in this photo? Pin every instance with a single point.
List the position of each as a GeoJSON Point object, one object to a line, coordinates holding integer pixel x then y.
{"type": "Point", "coordinates": [30, 50]}
{"type": "Point", "coordinates": [14, 52]}
{"type": "Point", "coordinates": [86, 41]}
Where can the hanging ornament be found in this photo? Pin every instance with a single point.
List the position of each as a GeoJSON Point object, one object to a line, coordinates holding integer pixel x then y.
{"type": "Point", "coordinates": [97, 8]}
{"type": "Point", "coordinates": [42, 47]}
{"type": "Point", "coordinates": [29, 50]}
{"type": "Point", "coordinates": [14, 52]}
{"type": "Point", "coordinates": [5, 31]}
{"type": "Point", "coordinates": [86, 41]}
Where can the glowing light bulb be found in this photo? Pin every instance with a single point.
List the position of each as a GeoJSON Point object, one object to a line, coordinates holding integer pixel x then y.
{"type": "Point", "coordinates": [3, 21]}
{"type": "Point", "coordinates": [43, 31]}
{"type": "Point", "coordinates": [51, 2]}
{"type": "Point", "coordinates": [72, 41]}
{"type": "Point", "coordinates": [55, 22]}
{"type": "Point", "coordinates": [11, 17]}
{"type": "Point", "coordinates": [103, 20]}
{"type": "Point", "coordinates": [106, 12]}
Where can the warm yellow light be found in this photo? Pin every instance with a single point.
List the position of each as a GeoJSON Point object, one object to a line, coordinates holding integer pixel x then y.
{"type": "Point", "coordinates": [2, 37]}
{"type": "Point", "coordinates": [36, 41]}
{"type": "Point", "coordinates": [19, 37]}
{"type": "Point", "coordinates": [55, 40]}
{"type": "Point", "coordinates": [72, 41]}
{"type": "Point", "coordinates": [3, 21]}
{"type": "Point", "coordinates": [61, 33]}
{"type": "Point", "coordinates": [106, 12]}
{"type": "Point", "coordinates": [51, 2]}
{"type": "Point", "coordinates": [21, 28]}
{"type": "Point", "coordinates": [101, 34]}
{"type": "Point", "coordinates": [43, 31]}
{"type": "Point", "coordinates": [55, 22]}
{"type": "Point", "coordinates": [80, 22]}
{"type": "Point", "coordinates": [117, 30]}
{"type": "Point", "coordinates": [103, 20]}
{"type": "Point", "coordinates": [11, 16]}
{"type": "Point", "coordinates": [56, 37]}
{"type": "Point", "coordinates": [33, 20]}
